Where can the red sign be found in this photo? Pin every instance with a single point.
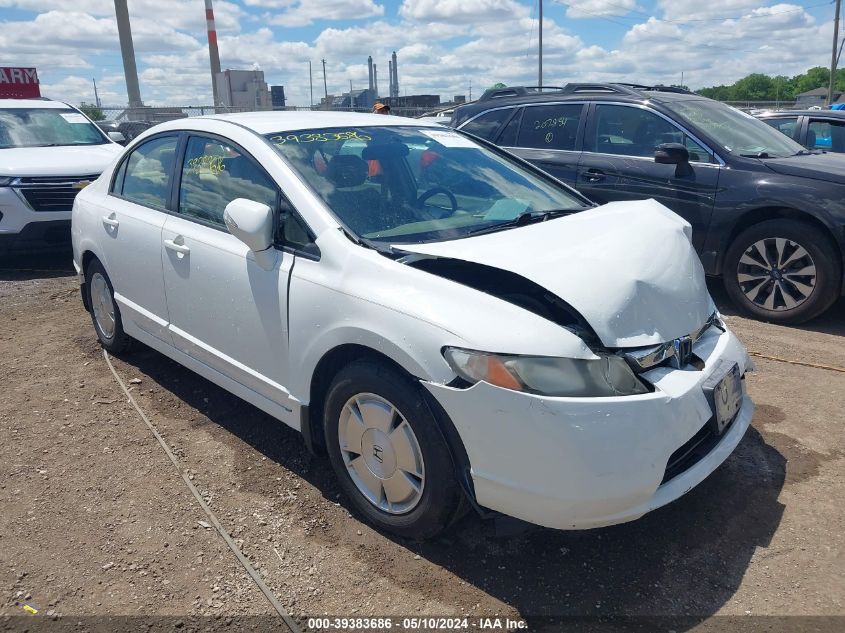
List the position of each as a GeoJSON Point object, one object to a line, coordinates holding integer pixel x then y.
{"type": "Point", "coordinates": [19, 83]}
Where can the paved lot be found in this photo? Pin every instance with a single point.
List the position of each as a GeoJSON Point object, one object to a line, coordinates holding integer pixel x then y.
{"type": "Point", "coordinates": [95, 520]}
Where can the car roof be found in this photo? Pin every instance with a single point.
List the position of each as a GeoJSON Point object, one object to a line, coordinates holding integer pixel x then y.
{"type": "Point", "coordinates": [268, 122]}
{"type": "Point", "coordinates": [32, 103]}
{"type": "Point", "coordinates": [836, 114]}
{"type": "Point", "coordinates": [521, 95]}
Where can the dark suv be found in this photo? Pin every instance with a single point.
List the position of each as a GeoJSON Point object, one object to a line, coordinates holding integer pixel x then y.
{"type": "Point", "coordinates": [767, 214]}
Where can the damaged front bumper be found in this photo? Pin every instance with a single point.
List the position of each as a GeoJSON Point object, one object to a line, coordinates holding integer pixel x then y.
{"type": "Point", "coordinates": [575, 463]}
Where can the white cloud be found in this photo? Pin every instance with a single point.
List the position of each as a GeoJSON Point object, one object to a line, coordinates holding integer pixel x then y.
{"type": "Point", "coordinates": [306, 12]}
{"type": "Point", "coordinates": [598, 8]}
{"type": "Point", "coordinates": [461, 11]}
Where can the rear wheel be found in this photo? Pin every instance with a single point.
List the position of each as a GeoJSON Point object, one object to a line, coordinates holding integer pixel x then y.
{"type": "Point", "coordinates": [104, 311]}
{"type": "Point", "coordinates": [387, 451]}
{"type": "Point", "coordinates": [782, 271]}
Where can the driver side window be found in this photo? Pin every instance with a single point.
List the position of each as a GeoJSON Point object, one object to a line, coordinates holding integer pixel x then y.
{"type": "Point", "coordinates": [213, 174]}
{"type": "Point", "coordinates": [632, 131]}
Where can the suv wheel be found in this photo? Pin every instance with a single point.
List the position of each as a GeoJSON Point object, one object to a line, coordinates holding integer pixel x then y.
{"type": "Point", "coordinates": [387, 451]}
{"type": "Point", "coordinates": [782, 271]}
{"type": "Point", "coordinates": [104, 311]}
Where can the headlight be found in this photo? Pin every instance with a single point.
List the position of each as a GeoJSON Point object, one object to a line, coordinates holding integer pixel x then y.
{"type": "Point", "coordinates": [607, 375]}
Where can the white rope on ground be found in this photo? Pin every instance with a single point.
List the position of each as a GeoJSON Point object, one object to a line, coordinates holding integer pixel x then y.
{"type": "Point", "coordinates": [797, 362]}
{"type": "Point", "coordinates": [220, 529]}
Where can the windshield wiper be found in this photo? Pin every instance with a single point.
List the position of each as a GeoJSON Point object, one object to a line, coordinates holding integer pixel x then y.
{"type": "Point", "coordinates": [760, 155]}
{"type": "Point", "coordinates": [528, 217]}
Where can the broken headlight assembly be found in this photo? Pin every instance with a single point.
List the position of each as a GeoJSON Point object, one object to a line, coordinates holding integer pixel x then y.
{"type": "Point", "coordinates": [607, 375]}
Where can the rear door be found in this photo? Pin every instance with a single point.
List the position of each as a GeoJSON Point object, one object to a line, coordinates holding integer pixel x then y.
{"type": "Point", "coordinates": [548, 135]}
{"type": "Point", "coordinates": [618, 164]}
{"type": "Point", "coordinates": [131, 234]}
{"type": "Point", "coordinates": [226, 311]}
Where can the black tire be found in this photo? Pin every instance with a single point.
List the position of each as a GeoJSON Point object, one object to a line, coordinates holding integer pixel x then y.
{"type": "Point", "coordinates": [119, 342]}
{"type": "Point", "coordinates": [441, 500]}
{"type": "Point", "coordinates": [822, 254]}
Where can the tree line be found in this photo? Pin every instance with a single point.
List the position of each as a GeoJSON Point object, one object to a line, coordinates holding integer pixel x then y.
{"type": "Point", "coordinates": [760, 87]}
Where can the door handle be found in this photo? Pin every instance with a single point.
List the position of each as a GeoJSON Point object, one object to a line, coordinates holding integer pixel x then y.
{"type": "Point", "coordinates": [594, 175]}
{"type": "Point", "coordinates": [176, 247]}
{"type": "Point", "coordinates": [111, 220]}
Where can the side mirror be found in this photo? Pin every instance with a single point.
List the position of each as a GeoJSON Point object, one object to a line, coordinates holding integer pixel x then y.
{"type": "Point", "coordinates": [674, 154]}
{"type": "Point", "coordinates": [117, 137]}
{"type": "Point", "coordinates": [252, 223]}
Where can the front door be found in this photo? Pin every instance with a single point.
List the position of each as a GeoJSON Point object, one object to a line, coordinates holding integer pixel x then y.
{"type": "Point", "coordinates": [618, 164]}
{"type": "Point", "coordinates": [226, 311]}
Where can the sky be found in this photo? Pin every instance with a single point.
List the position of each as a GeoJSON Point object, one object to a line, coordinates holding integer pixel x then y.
{"type": "Point", "coordinates": [443, 46]}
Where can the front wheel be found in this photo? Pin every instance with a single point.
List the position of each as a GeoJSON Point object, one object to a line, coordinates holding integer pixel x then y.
{"type": "Point", "coordinates": [782, 271]}
{"type": "Point", "coordinates": [388, 453]}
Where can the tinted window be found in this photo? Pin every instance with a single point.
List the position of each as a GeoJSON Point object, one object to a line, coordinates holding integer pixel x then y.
{"type": "Point", "coordinates": [550, 127]}
{"type": "Point", "coordinates": [147, 173]}
{"type": "Point", "coordinates": [508, 136]}
{"type": "Point", "coordinates": [785, 125]}
{"type": "Point", "coordinates": [487, 124]}
{"type": "Point", "coordinates": [213, 174]}
{"type": "Point", "coordinates": [630, 131]}
{"type": "Point", "coordinates": [827, 135]}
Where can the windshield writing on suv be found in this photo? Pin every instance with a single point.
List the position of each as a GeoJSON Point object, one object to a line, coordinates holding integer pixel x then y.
{"type": "Point", "coordinates": [736, 131]}
{"type": "Point", "coordinates": [416, 184]}
{"type": "Point", "coordinates": [45, 127]}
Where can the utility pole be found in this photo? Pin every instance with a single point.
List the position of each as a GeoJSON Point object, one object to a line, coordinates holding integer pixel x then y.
{"type": "Point", "coordinates": [311, 84]}
{"type": "Point", "coordinates": [127, 51]}
{"type": "Point", "coordinates": [834, 54]}
{"type": "Point", "coordinates": [470, 89]}
{"type": "Point", "coordinates": [96, 96]}
{"type": "Point", "coordinates": [541, 46]}
{"type": "Point", "coordinates": [325, 85]}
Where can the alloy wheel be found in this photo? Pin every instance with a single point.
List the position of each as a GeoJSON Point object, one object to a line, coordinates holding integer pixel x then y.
{"type": "Point", "coordinates": [103, 305]}
{"type": "Point", "coordinates": [381, 453]}
{"type": "Point", "coordinates": [776, 274]}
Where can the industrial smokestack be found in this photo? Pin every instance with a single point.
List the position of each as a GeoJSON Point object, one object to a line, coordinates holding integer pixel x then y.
{"type": "Point", "coordinates": [127, 50]}
{"type": "Point", "coordinates": [375, 79]}
{"type": "Point", "coordinates": [370, 68]}
{"type": "Point", "coordinates": [213, 53]}
{"type": "Point", "coordinates": [395, 77]}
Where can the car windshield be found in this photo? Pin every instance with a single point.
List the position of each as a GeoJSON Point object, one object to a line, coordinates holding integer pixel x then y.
{"type": "Point", "coordinates": [46, 127]}
{"type": "Point", "coordinates": [418, 184]}
{"type": "Point", "coordinates": [736, 131]}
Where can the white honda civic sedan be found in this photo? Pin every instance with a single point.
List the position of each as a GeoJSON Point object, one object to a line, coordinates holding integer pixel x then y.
{"type": "Point", "coordinates": [452, 326]}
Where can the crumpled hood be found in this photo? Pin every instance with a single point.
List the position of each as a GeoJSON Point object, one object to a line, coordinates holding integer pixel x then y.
{"type": "Point", "coordinates": [628, 267]}
{"type": "Point", "coordinates": [81, 160]}
{"type": "Point", "coordinates": [827, 167]}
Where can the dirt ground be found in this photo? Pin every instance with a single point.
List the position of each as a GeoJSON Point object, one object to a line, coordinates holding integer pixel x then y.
{"type": "Point", "coordinates": [94, 519]}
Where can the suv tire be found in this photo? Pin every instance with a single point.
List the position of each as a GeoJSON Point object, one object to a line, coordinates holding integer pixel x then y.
{"type": "Point", "coordinates": [782, 271]}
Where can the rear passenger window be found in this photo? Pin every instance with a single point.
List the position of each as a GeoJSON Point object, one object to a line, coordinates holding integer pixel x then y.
{"type": "Point", "coordinates": [826, 135]}
{"type": "Point", "coordinates": [487, 125]}
{"type": "Point", "coordinates": [145, 176]}
{"type": "Point", "coordinates": [550, 126]}
{"type": "Point", "coordinates": [214, 174]}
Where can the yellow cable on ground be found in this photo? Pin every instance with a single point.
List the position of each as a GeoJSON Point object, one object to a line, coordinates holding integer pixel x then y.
{"type": "Point", "coordinates": [220, 529]}
{"type": "Point", "coordinates": [798, 362]}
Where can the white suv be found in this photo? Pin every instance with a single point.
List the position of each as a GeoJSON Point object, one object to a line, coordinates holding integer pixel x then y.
{"type": "Point", "coordinates": [48, 152]}
{"type": "Point", "coordinates": [447, 322]}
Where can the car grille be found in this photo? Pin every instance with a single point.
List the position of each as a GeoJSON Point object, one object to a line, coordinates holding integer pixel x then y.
{"type": "Point", "coordinates": [693, 451]}
{"type": "Point", "coordinates": [51, 193]}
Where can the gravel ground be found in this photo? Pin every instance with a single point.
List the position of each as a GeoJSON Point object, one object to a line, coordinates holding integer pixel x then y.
{"type": "Point", "coordinates": [95, 521]}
